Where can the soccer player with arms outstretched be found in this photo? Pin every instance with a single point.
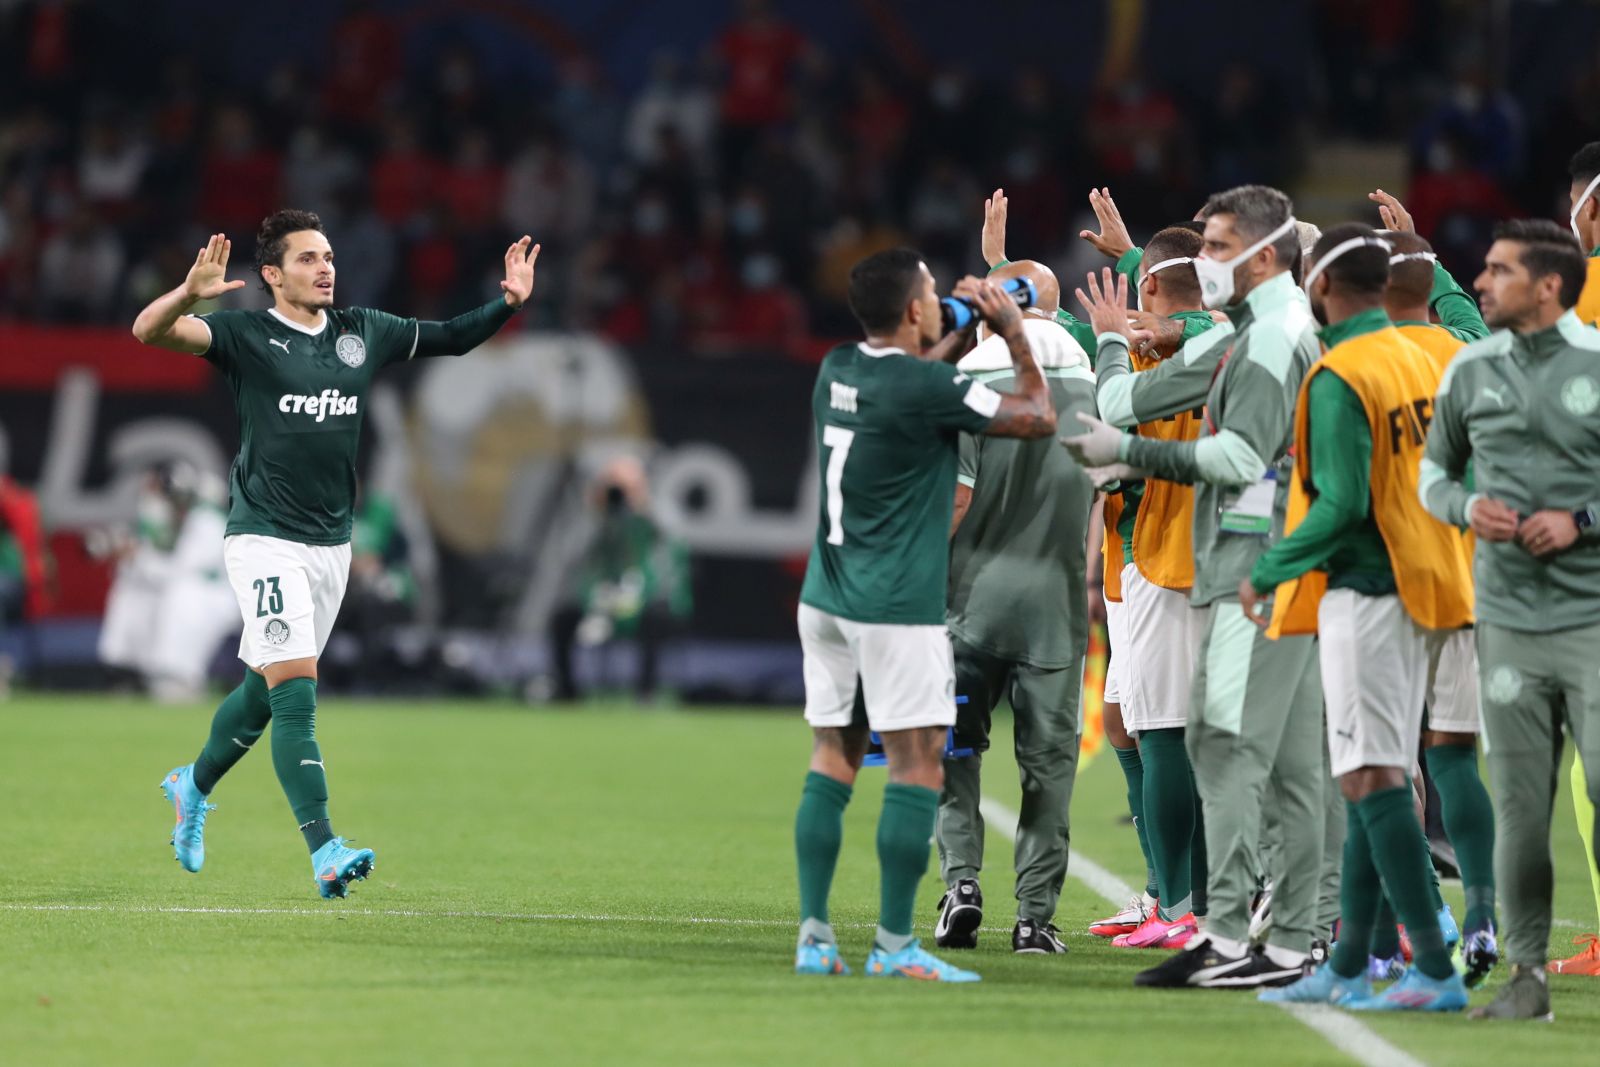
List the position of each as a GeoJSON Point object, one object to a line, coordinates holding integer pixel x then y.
{"type": "Point", "coordinates": [888, 414]}
{"type": "Point", "coordinates": [299, 372]}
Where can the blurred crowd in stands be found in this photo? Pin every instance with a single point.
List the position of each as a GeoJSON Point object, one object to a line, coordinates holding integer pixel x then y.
{"type": "Point", "coordinates": [721, 201]}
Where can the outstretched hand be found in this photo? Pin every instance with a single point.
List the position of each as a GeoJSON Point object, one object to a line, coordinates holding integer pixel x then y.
{"type": "Point", "coordinates": [994, 229]}
{"type": "Point", "coordinates": [1113, 238]}
{"type": "Point", "coordinates": [1106, 304]}
{"type": "Point", "coordinates": [207, 279]}
{"type": "Point", "coordinates": [1393, 212]}
{"type": "Point", "coordinates": [520, 259]}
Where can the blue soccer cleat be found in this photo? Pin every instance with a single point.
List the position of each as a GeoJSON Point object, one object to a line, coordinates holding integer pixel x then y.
{"type": "Point", "coordinates": [1448, 927]}
{"type": "Point", "coordinates": [189, 832]}
{"type": "Point", "coordinates": [913, 962]}
{"type": "Point", "coordinates": [1415, 991]}
{"type": "Point", "coordinates": [818, 957]}
{"type": "Point", "coordinates": [1321, 986]}
{"type": "Point", "coordinates": [334, 866]}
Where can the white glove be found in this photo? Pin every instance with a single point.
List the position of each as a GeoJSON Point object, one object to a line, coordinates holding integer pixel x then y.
{"type": "Point", "coordinates": [1108, 478]}
{"type": "Point", "coordinates": [1099, 446]}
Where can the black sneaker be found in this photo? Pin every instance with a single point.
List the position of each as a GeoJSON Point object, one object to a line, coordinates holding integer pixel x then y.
{"type": "Point", "coordinates": [1320, 954]}
{"type": "Point", "coordinates": [1260, 972]}
{"type": "Point", "coordinates": [1029, 938]}
{"type": "Point", "coordinates": [1196, 965]}
{"type": "Point", "coordinates": [960, 915]}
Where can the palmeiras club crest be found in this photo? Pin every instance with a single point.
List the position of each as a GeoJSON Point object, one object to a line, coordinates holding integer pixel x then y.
{"type": "Point", "coordinates": [351, 350]}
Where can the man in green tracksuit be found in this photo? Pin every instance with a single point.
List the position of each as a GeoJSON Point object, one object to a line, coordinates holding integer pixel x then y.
{"type": "Point", "coordinates": [1521, 406]}
{"type": "Point", "coordinates": [1254, 720]}
{"type": "Point", "coordinates": [1019, 630]}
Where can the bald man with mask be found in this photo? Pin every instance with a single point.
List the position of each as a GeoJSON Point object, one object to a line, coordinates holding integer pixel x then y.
{"type": "Point", "coordinates": [1018, 620]}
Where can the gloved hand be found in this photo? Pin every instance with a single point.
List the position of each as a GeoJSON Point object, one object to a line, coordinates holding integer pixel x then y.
{"type": "Point", "coordinates": [1098, 446]}
{"type": "Point", "coordinates": [1108, 478]}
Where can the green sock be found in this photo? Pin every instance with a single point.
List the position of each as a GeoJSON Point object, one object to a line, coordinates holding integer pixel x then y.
{"type": "Point", "coordinates": [1133, 773]}
{"type": "Point", "coordinates": [295, 753]}
{"type": "Point", "coordinates": [1385, 935]}
{"type": "Point", "coordinates": [1469, 822]}
{"type": "Point", "coordinates": [1169, 805]}
{"type": "Point", "coordinates": [818, 831]}
{"type": "Point", "coordinates": [240, 720]}
{"type": "Point", "coordinates": [904, 830]}
{"type": "Point", "coordinates": [1400, 853]}
{"type": "Point", "coordinates": [1360, 900]}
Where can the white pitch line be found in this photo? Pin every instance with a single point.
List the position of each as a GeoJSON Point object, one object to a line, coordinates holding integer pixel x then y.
{"type": "Point", "coordinates": [1346, 1034]}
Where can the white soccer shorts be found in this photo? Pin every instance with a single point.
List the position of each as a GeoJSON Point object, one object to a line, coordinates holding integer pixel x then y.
{"type": "Point", "coordinates": [288, 593]}
{"type": "Point", "coordinates": [1453, 683]}
{"type": "Point", "coordinates": [908, 674]}
{"type": "Point", "coordinates": [1162, 635]}
{"type": "Point", "coordinates": [1113, 687]}
{"type": "Point", "coordinates": [1374, 673]}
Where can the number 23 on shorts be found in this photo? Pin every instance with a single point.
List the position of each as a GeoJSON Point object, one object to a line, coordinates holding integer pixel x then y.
{"type": "Point", "coordinates": [269, 598]}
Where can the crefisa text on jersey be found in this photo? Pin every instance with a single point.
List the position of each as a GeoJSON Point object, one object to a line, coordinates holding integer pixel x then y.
{"type": "Point", "coordinates": [330, 402]}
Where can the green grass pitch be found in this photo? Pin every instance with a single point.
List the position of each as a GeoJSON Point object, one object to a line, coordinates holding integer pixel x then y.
{"type": "Point", "coordinates": [596, 886]}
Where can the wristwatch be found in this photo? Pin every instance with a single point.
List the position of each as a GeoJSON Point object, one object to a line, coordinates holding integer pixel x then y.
{"type": "Point", "coordinates": [1585, 519]}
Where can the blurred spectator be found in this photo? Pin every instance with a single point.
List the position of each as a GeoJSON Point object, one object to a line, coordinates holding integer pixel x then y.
{"type": "Point", "coordinates": [433, 263]}
{"type": "Point", "coordinates": [472, 184]}
{"type": "Point", "coordinates": [586, 112]}
{"type": "Point", "coordinates": [403, 175]}
{"type": "Point", "coordinates": [239, 178]}
{"type": "Point", "coordinates": [1479, 123]}
{"type": "Point", "coordinates": [941, 216]}
{"type": "Point", "coordinates": [365, 251]}
{"type": "Point", "coordinates": [111, 165]}
{"type": "Point", "coordinates": [760, 55]}
{"type": "Point", "coordinates": [1246, 131]}
{"type": "Point", "coordinates": [549, 192]}
{"type": "Point", "coordinates": [80, 270]}
{"type": "Point", "coordinates": [1455, 205]}
{"type": "Point", "coordinates": [633, 582]}
{"type": "Point", "coordinates": [670, 100]}
{"type": "Point", "coordinates": [316, 168]}
{"type": "Point", "coordinates": [364, 66]}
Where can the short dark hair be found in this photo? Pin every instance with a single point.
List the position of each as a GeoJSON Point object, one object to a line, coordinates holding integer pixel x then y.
{"type": "Point", "coordinates": [1257, 210]}
{"type": "Point", "coordinates": [1363, 270]}
{"type": "Point", "coordinates": [882, 285]}
{"type": "Point", "coordinates": [1176, 242]}
{"type": "Point", "coordinates": [1585, 163]}
{"type": "Point", "coordinates": [1410, 282]}
{"type": "Point", "coordinates": [272, 238]}
{"type": "Point", "coordinates": [1547, 248]}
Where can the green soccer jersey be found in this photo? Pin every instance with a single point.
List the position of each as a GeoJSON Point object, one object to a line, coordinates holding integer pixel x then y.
{"type": "Point", "coordinates": [887, 428]}
{"type": "Point", "coordinates": [1017, 560]}
{"type": "Point", "coordinates": [301, 395]}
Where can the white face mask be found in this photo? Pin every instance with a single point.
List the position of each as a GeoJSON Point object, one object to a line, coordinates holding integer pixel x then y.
{"type": "Point", "coordinates": [1572, 220]}
{"type": "Point", "coordinates": [1340, 249]}
{"type": "Point", "coordinates": [1138, 292]}
{"type": "Point", "coordinates": [1216, 275]}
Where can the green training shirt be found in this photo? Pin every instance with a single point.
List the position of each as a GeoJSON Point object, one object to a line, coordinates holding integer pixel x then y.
{"type": "Point", "coordinates": [887, 429]}
{"type": "Point", "coordinates": [1017, 561]}
{"type": "Point", "coordinates": [301, 395]}
{"type": "Point", "coordinates": [1340, 531]}
{"type": "Point", "coordinates": [1248, 372]}
{"type": "Point", "coordinates": [1457, 311]}
{"type": "Point", "coordinates": [1525, 409]}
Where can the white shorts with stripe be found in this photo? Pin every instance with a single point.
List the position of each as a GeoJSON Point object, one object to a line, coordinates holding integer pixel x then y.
{"type": "Point", "coordinates": [1453, 683]}
{"type": "Point", "coordinates": [289, 595]}
{"type": "Point", "coordinates": [1374, 676]}
{"type": "Point", "coordinates": [907, 673]}
{"type": "Point", "coordinates": [1119, 653]}
{"type": "Point", "coordinates": [1162, 637]}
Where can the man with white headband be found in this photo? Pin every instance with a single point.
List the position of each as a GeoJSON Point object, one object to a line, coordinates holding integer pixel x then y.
{"type": "Point", "coordinates": [1254, 728]}
{"type": "Point", "coordinates": [1366, 567]}
{"type": "Point", "coordinates": [1585, 223]}
{"type": "Point", "coordinates": [1521, 407]}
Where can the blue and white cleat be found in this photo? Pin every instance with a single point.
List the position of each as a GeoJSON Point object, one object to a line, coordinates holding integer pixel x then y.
{"type": "Point", "coordinates": [334, 866]}
{"type": "Point", "coordinates": [818, 957]}
{"type": "Point", "coordinates": [189, 832]}
{"type": "Point", "coordinates": [1480, 951]}
{"type": "Point", "coordinates": [1380, 969]}
{"type": "Point", "coordinates": [913, 962]}
{"type": "Point", "coordinates": [1321, 986]}
{"type": "Point", "coordinates": [1415, 991]}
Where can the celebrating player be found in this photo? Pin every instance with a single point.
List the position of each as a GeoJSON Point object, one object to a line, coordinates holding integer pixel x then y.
{"type": "Point", "coordinates": [1521, 406]}
{"type": "Point", "coordinates": [888, 413]}
{"type": "Point", "coordinates": [1393, 579]}
{"type": "Point", "coordinates": [1253, 723]}
{"type": "Point", "coordinates": [299, 373]}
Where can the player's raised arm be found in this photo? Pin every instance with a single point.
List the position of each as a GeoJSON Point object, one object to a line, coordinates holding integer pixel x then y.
{"type": "Point", "coordinates": [460, 335]}
{"type": "Point", "coordinates": [165, 322]}
{"type": "Point", "coordinates": [1028, 412]}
